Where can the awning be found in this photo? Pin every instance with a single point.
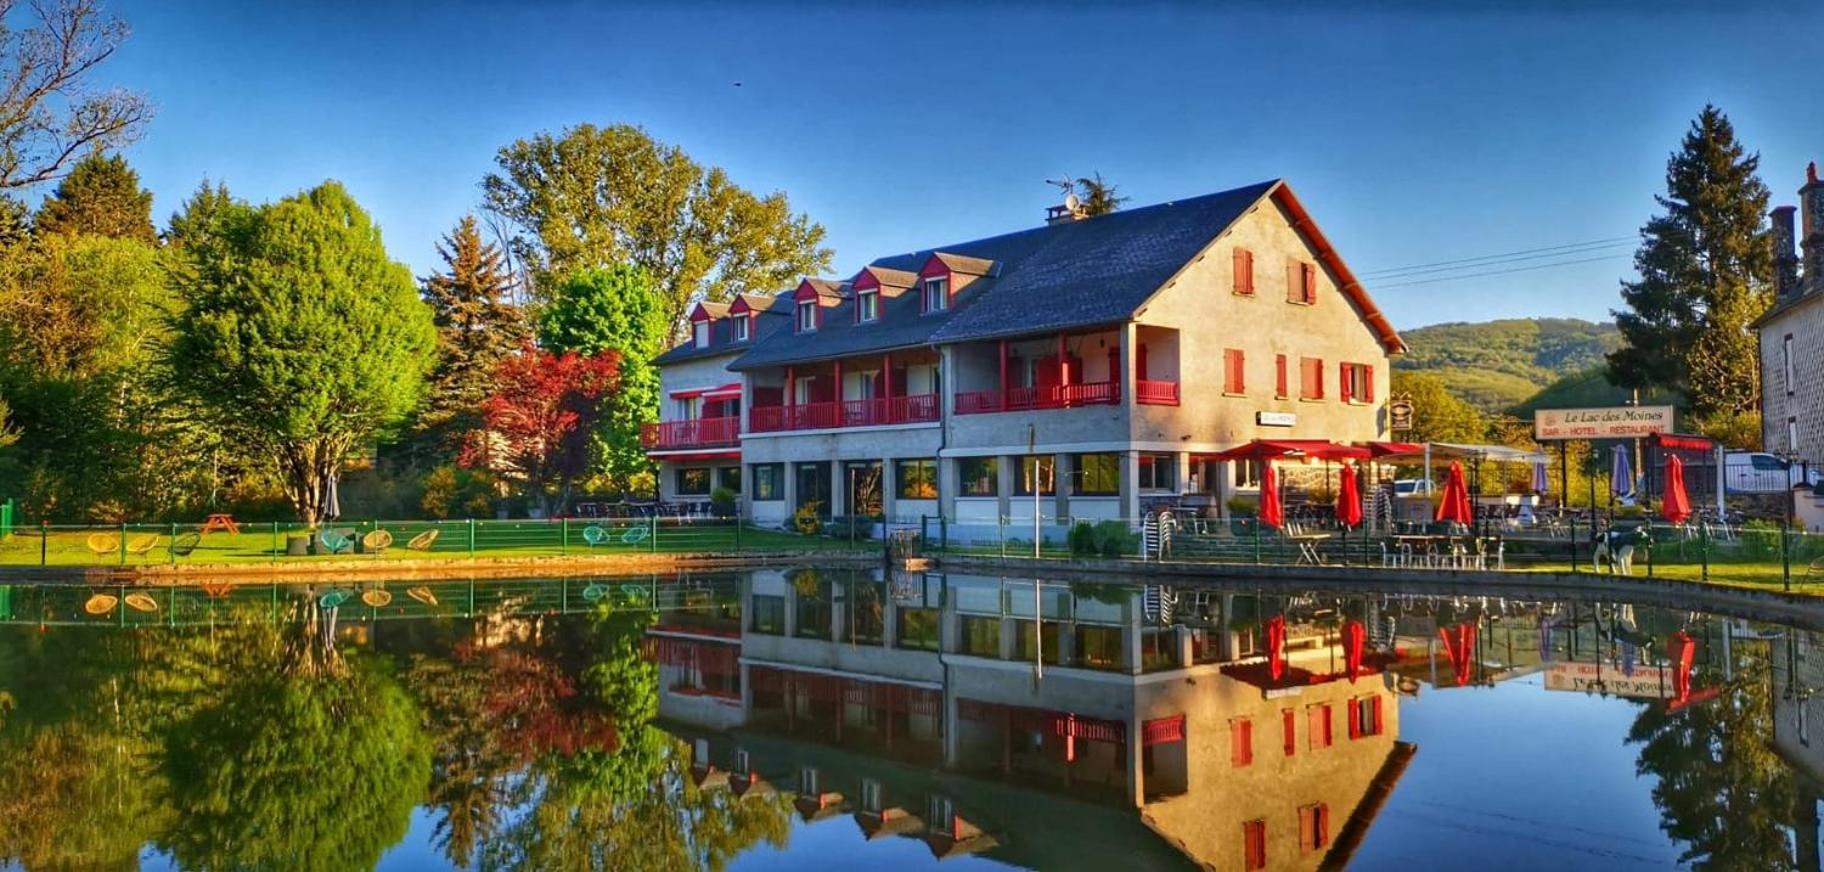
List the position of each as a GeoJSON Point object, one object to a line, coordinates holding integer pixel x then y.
{"type": "Point", "coordinates": [732, 390]}
{"type": "Point", "coordinates": [1378, 450]}
{"type": "Point", "coordinates": [686, 456]}
{"type": "Point", "coordinates": [1313, 449]}
{"type": "Point", "coordinates": [1455, 450]}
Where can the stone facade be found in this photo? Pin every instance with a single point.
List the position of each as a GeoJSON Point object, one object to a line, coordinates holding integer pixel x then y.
{"type": "Point", "coordinates": [1792, 333]}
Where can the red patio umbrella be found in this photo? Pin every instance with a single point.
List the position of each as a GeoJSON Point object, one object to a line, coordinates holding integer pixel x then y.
{"type": "Point", "coordinates": [1348, 499]}
{"type": "Point", "coordinates": [1681, 650]}
{"type": "Point", "coordinates": [1459, 647]}
{"type": "Point", "coordinates": [1272, 513]}
{"type": "Point", "coordinates": [1354, 634]}
{"type": "Point", "coordinates": [1276, 646]}
{"type": "Point", "coordinates": [1677, 505]}
{"type": "Point", "coordinates": [1455, 505]}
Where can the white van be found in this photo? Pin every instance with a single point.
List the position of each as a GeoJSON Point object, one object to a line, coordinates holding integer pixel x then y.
{"type": "Point", "coordinates": [1757, 472]}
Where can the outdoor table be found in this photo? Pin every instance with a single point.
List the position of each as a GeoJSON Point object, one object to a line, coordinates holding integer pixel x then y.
{"type": "Point", "coordinates": [219, 521]}
{"type": "Point", "coordinates": [1307, 547]}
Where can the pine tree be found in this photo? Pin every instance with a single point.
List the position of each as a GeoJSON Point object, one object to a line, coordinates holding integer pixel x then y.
{"type": "Point", "coordinates": [100, 196]}
{"type": "Point", "coordinates": [477, 326]}
{"type": "Point", "coordinates": [198, 218]}
{"type": "Point", "coordinates": [1706, 272]}
{"type": "Point", "coordinates": [1098, 196]}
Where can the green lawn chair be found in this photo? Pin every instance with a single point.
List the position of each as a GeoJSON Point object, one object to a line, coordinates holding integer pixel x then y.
{"type": "Point", "coordinates": [635, 534]}
{"type": "Point", "coordinates": [185, 544]}
{"type": "Point", "coordinates": [336, 541]}
{"type": "Point", "coordinates": [595, 535]}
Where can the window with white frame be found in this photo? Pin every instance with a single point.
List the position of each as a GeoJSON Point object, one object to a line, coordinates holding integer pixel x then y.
{"type": "Point", "coordinates": [700, 333]}
{"type": "Point", "coordinates": [741, 328]}
{"type": "Point", "coordinates": [807, 316]}
{"type": "Point", "coordinates": [1158, 472]}
{"type": "Point", "coordinates": [937, 294]}
{"type": "Point", "coordinates": [867, 306]}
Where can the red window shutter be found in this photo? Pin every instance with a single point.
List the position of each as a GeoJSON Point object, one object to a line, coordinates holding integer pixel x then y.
{"type": "Point", "coordinates": [1322, 825]}
{"type": "Point", "coordinates": [1376, 703]}
{"type": "Point", "coordinates": [1307, 283]}
{"type": "Point", "coordinates": [1316, 726]}
{"type": "Point", "coordinates": [1280, 378]}
{"type": "Point", "coordinates": [1344, 389]}
{"type": "Point", "coordinates": [1295, 277]}
{"type": "Point", "coordinates": [1368, 382]}
{"type": "Point", "coordinates": [1289, 725]}
{"type": "Point", "coordinates": [1355, 718]}
{"type": "Point", "coordinates": [1254, 844]}
{"type": "Point", "coordinates": [1244, 271]}
{"type": "Point", "coordinates": [1241, 742]}
{"type": "Point", "coordinates": [1307, 829]}
{"type": "Point", "coordinates": [1234, 378]}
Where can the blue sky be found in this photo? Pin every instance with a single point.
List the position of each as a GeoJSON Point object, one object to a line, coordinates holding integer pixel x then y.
{"type": "Point", "coordinates": [1415, 134]}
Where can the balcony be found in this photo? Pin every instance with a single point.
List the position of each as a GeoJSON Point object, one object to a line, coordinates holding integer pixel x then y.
{"type": "Point", "coordinates": [1152, 392]}
{"type": "Point", "coordinates": [915, 409]}
{"type": "Point", "coordinates": [699, 433]}
{"type": "Point", "coordinates": [1045, 397]}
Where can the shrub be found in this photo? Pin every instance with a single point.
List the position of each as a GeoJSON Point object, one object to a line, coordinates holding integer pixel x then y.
{"type": "Point", "coordinates": [1105, 539]}
{"type": "Point", "coordinates": [723, 500]}
{"type": "Point", "coordinates": [806, 521]}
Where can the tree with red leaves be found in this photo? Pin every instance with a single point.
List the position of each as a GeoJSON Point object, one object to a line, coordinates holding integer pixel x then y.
{"type": "Point", "coordinates": [537, 423]}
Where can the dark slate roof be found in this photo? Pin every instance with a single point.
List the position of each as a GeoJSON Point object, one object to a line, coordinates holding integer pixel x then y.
{"type": "Point", "coordinates": [1083, 273]}
{"type": "Point", "coordinates": [777, 314]}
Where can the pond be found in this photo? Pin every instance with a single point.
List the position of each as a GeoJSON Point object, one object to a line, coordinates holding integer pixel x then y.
{"type": "Point", "coordinates": [819, 717]}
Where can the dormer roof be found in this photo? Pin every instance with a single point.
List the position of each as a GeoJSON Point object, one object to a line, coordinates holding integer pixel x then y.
{"type": "Point", "coordinates": [943, 261]}
{"type": "Point", "coordinates": [707, 311]}
{"type": "Point", "coordinates": [890, 281]}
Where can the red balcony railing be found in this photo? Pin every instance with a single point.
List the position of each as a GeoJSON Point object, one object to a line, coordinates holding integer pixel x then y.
{"type": "Point", "coordinates": [1046, 397]}
{"type": "Point", "coordinates": [848, 413]}
{"type": "Point", "coordinates": [1156, 393]}
{"type": "Point", "coordinates": [701, 433]}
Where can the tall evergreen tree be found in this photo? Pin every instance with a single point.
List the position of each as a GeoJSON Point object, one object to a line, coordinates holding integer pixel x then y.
{"type": "Point", "coordinates": [197, 219]}
{"type": "Point", "coordinates": [477, 325]}
{"type": "Point", "coordinates": [15, 221]}
{"type": "Point", "coordinates": [619, 309]}
{"type": "Point", "coordinates": [100, 196]}
{"type": "Point", "coordinates": [1706, 272]}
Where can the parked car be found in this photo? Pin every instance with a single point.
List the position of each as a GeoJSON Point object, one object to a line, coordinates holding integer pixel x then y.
{"type": "Point", "coordinates": [1409, 487]}
{"type": "Point", "coordinates": [1757, 472]}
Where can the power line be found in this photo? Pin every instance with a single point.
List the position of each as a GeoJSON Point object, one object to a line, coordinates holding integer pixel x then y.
{"type": "Point", "coordinates": [1506, 254]}
{"type": "Point", "coordinates": [1410, 272]}
{"type": "Point", "coordinates": [1497, 272]}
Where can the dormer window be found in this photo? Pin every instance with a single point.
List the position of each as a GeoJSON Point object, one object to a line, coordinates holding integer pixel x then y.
{"type": "Point", "coordinates": [867, 306]}
{"type": "Point", "coordinates": [740, 328]}
{"type": "Point", "coordinates": [936, 294]}
{"type": "Point", "coordinates": [807, 316]}
{"type": "Point", "coordinates": [700, 333]}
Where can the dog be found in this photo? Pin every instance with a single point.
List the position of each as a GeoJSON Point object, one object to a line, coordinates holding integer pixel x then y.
{"type": "Point", "coordinates": [1616, 548]}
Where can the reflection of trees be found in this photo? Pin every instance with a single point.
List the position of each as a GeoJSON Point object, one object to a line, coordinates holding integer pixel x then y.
{"type": "Point", "coordinates": [1720, 787]}
{"type": "Point", "coordinates": [311, 763]}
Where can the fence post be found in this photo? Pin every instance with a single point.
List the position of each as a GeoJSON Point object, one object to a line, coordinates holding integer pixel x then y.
{"type": "Point", "coordinates": [1573, 535]}
{"type": "Point", "coordinates": [737, 533]}
{"type": "Point", "coordinates": [471, 538]}
{"type": "Point", "coordinates": [275, 541]}
{"type": "Point", "coordinates": [563, 536]}
{"type": "Point", "coordinates": [1000, 533]}
{"type": "Point", "coordinates": [169, 547]}
{"type": "Point", "coordinates": [653, 539]}
{"type": "Point", "coordinates": [1256, 541]}
{"type": "Point", "coordinates": [123, 543]}
{"type": "Point", "coordinates": [1703, 548]}
{"type": "Point", "coordinates": [943, 533]}
{"type": "Point", "coordinates": [44, 542]}
{"type": "Point", "coordinates": [1649, 549]}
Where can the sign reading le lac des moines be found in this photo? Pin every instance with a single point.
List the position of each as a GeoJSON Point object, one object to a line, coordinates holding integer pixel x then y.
{"type": "Point", "coordinates": [1618, 422]}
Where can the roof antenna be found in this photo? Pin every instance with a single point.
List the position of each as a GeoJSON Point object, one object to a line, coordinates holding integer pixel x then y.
{"type": "Point", "coordinates": [1073, 205]}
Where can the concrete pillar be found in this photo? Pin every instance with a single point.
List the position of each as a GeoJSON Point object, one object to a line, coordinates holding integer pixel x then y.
{"type": "Point", "coordinates": [1130, 641]}
{"type": "Point", "coordinates": [889, 623]}
{"type": "Point", "coordinates": [1136, 778]}
{"type": "Point", "coordinates": [790, 489]}
{"type": "Point", "coordinates": [1010, 628]}
{"type": "Point", "coordinates": [747, 693]}
{"type": "Point", "coordinates": [1181, 472]}
{"type": "Point", "coordinates": [952, 742]}
{"type": "Point", "coordinates": [840, 603]}
{"type": "Point", "coordinates": [1129, 486]}
{"type": "Point", "coordinates": [1128, 345]}
{"type": "Point", "coordinates": [1061, 479]}
{"type": "Point", "coordinates": [790, 623]}
{"type": "Point", "coordinates": [889, 490]}
{"type": "Point", "coordinates": [1006, 475]}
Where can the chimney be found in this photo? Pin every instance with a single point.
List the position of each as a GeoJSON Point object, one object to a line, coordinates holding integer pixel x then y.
{"type": "Point", "coordinates": [1785, 255]}
{"type": "Point", "coordinates": [1811, 222]}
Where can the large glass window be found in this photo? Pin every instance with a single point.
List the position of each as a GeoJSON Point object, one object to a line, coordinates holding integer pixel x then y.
{"type": "Point", "coordinates": [867, 612]}
{"type": "Point", "coordinates": [769, 481]}
{"type": "Point", "coordinates": [1098, 647]}
{"type": "Point", "coordinates": [981, 636]}
{"type": "Point", "coordinates": [1158, 472]}
{"type": "Point", "coordinates": [917, 629]}
{"type": "Point", "coordinates": [693, 481]}
{"type": "Point", "coordinates": [768, 615]}
{"type": "Point", "coordinates": [1025, 643]}
{"type": "Point", "coordinates": [1047, 475]}
{"type": "Point", "coordinates": [917, 479]}
{"type": "Point", "coordinates": [1097, 475]}
{"type": "Point", "coordinates": [981, 476]}
{"type": "Point", "coordinates": [730, 477]}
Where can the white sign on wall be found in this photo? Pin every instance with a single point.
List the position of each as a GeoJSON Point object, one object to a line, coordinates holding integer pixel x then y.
{"type": "Point", "coordinates": [1276, 419]}
{"type": "Point", "coordinates": [1616, 422]}
{"type": "Point", "coordinates": [1641, 682]}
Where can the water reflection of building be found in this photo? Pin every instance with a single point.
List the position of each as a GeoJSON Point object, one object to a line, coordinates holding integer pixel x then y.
{"type": "Point", "coordinates": [1798, 713]}
{"type": "Point", "coordinates": [1157, 701]}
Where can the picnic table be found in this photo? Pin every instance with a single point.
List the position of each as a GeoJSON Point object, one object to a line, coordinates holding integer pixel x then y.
{"type": "Point", "coordinates": [219, 521]}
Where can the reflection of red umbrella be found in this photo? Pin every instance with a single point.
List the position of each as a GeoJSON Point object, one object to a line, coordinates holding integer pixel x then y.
{"type": "Point", "coordinates": [1681, 649]}
{"type": "Point", "coordinates": [1455, 505]}
{"type": "Point", "coordinates": [1353, 636]}
{"type": "Point", "coordinates": [1276, 646]}
{"type": "Point", "coordinates": [1348, 499]}
{"type": "Point", "coordinates": [1677, 504]}
{"type": "Point", "coordinates": [1459, 647]}
{"type": "Point", "coordinates": [1272, 513]}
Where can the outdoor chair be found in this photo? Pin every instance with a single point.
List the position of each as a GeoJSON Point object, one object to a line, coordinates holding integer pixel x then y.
{"type": "Point", "coordinates": [595, 535]}
{"type": "Point", "coordinates": [634, 535]}
{"type": "Point", "coordinates": [185, 544]}
{"type": "Point", "coordinates": [103, 544]}
{"type": "Point", "coordinates": [143, 545]}
{"type": "Point", "coordinates": [336, 541]}
{"type": "Point", "coordinates": [377, 542]}
{"type": "Point", "coordinates": [422, 541]}
{"type": "Point", "coordinates": [1815, 569]}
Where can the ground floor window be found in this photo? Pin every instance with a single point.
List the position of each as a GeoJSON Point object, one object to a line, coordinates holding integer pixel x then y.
{"type": "Point", "coordinates": [981, 636]}
{"type": "Point", "coordinates": [1247, 473]}
{"type": "Point", "coordinates": [1313, 828]}
{"type": "Point", "coordinates": [769, 481]}
{"type": "Point", "coordinates": [917, 629]}
{"type": "Point", "coordinates": [979, 476]}
{"type": "Point", "coordinates": [864, 487]}
{"type": "Point", "coordinates": [1158, 472]}
{"type": "Point", "coordinates": [693, 481]}
{"type": "Point", "coordinates": [768, 615]}
{"type": "Point", "coordinates": [1098, 475]}
{"type": "Point", "coordinates": [917, 479]}
{"type": "Point", "coordinates": [1098, 647]}
{"type": "Point", "coordinates": [1027, 647]}
{"type": "Point", "coordinates": [729, 478]}
{"type": "Point", "coordinates": [1045, 468]}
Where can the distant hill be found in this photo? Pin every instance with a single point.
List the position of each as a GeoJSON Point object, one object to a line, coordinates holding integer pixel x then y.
{"type": "Point", "coordinates": [1500, 365]}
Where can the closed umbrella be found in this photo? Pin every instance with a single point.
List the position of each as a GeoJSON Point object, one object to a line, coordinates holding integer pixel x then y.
{"type": "Point", "coordinates": [1454, 507]}
{"type": "Point", "coordinates": [1354, 634]}
{"type": "Point", "coordinates": [1677, 505]}
{"type": "Point", "coordinates": [1276, 646]}
{"type": "Point", "coordinates": [332, 501]}
{"type": "Point", "coordinates": [1348, 499]}
{"type": "Point", "coordinates": [1542, 482]}
{"type": "Point", "coordinates": [1681, 650]}
{"type": "Point", "coordinates": [1621, 475]}
{"type": "Point", "coordinates": [1272, 513]}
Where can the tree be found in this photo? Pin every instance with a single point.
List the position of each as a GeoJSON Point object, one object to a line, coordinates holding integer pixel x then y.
{"type": "Point", "coordinates": [301, 339]}
{"type": "Point", "coordinates": [15, 222]}
{"type": "Point", "coordinates": [197, 220]}
{"type": "Point", "coordinates": [50, 111]}
{"type": "Point", "coordinates": [477, 326]}
{"type": "Point", "coordinates": [1706, 266]}
{"type": "Point", "coordinates": [598, 196]}
{"type": "Point", "coordinates": [100, 196]}
{"type": "Point", "coordinates": [1098, 197]}
{"type": "Point", "coordinates": [1437, 414]}
{"type": "Point", "coordinates": [538, 422]}
{"type": "Point", "coordinates": [596, 310]}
